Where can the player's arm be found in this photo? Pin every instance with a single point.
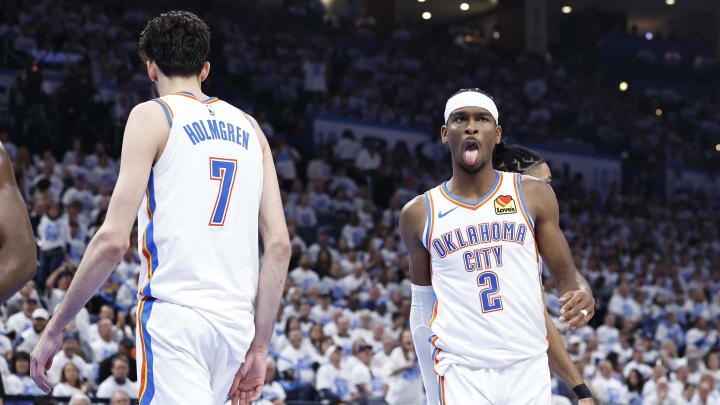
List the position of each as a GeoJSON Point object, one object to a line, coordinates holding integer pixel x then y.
{"type": "Point", "coordinates": [248, 382]}
{"type": "Point", "coordinates": [145, 132]}
{"type": "Point", "coordinates": [573, 288]}
{"type": "Point", "coordinates": [18, 255]}
{"type": "Point", "coordinates": [412, 223]}
{"type": "Point", "coordinates": [561, 364]}
{"type": "Point", "coordinates": [276, 244]}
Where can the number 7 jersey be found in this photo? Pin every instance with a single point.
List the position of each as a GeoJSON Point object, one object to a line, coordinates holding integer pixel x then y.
{"type": "Point", "coordinates": [198, 222]}
{"type": "Point", "coordinates": [485, 272]}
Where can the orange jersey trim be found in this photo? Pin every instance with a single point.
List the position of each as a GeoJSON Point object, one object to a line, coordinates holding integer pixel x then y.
{"type": "Point", "coordinates": [480, 203]}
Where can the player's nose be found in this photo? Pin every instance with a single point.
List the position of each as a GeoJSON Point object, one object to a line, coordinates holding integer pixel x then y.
{"type": "Point", "coordinates": [473, 127]}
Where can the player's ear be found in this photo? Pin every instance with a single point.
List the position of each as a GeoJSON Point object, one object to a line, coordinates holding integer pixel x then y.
{"type": "Point", "coordinates": [498, 134]}
{"type": "Point", "coordinates": [443, 134]}
{"type": "Point", "coordinates": [151, 70]}
{"type": "Point", "coordinates": [205, 71]}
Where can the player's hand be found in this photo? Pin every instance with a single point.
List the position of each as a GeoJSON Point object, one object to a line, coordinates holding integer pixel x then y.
{"type": "Point", "coordinates": [575, 302]}
{"type": "Point", "coordinates": [250, 378]}
{"type": "Point", "coordinates": [41, 358]}
{"type": "Point", "coordinates": [586, 401]}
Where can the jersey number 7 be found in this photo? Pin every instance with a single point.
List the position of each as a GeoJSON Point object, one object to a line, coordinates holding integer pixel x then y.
{"type": "Point", "coordinates": [222, 170]}
{"type": "Point", "coordinates": [489, 301]}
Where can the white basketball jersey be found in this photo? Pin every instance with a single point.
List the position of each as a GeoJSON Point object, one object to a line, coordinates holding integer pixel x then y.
{"type": "Point", "coordinates": [198, 222]}
{"type": "Point", "coordinates": [485, 272]}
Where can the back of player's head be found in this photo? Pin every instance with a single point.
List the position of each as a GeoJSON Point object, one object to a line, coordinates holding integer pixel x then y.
{"type": "Point", "coordinates": [177, 41]}
{"type": "Point", "coordinates": [515, 158]}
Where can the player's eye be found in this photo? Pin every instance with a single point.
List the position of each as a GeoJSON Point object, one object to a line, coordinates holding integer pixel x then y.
{"type": "Point", "coordinates": [459, 118]}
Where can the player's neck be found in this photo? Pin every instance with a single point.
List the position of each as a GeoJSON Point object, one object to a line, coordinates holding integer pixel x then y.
{"type": "Point", "coordinates": [471, 186]}
{"type": "Point", "coordinates": [170, 85]}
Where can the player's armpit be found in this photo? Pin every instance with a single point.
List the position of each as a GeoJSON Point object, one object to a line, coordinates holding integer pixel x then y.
{"type": "Point", "coordinates": [18, 260]}
{"type": "Point", "coordinates": [412, 221]}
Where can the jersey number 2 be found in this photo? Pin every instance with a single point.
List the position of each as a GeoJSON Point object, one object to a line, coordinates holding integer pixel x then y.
{"type": "Point", "coordinates": [489, 287]}
{"type": "Point", "coordinates": [222, 170]}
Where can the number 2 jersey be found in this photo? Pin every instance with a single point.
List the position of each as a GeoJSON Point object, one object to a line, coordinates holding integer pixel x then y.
{"type": "Point", "coordinates": [485, 272]}
{"type": "Point", "coordinates": [198, 222]}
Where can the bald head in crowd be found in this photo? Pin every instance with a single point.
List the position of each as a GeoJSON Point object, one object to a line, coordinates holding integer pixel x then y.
{"type": "Point", "coordinates": [120, 398]}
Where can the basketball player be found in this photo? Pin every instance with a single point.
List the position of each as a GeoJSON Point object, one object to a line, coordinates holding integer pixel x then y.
{"type": "Point", "coordinates": [475, 243]}
{"type": "Point", "coordinates": [518, 159]}
{"type": "Point", "coordinates": [18, 255]}
{"type": "Point", "coordinates": [202, 175]}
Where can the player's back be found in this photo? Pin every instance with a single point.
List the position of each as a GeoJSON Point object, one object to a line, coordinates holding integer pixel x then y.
{"type": "Point", "coordinates": [198, 223]}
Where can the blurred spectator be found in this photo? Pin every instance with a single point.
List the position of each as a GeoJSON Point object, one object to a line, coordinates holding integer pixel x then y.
{"type": "Point", "coordinates": [272, 391]}
{"type": "Point", "coordinates": [104, 347]}
{"type": "Point", "coordinates": [369, 384]}
{"type": "Point", "coordinates": [332, 378]}
{"type": "Point", "coordinates": [70, 382]}
{"type": "Point", "coordinates": [29, 337]}
{"type": "Point", "coordinates": [69, 353]}
{"type": "Point", "coordinates": [18, 382]}
{"type": "Point", "coordinates": [120, 398]}
{"type": "Point", "coordinates": [606, 387]}
{"type": "Point", "coordinates": [125, 348]}
{"type": "Point", "coordinates": [118, 381]}
{"type": "Point", "coordinates": [79, 399]}
{"type": "Point", "coordinates": [54, 236]}
{"type": "Point", "coordinates": [405, 382]}
{"type": "Point", "coordinates": [21, 321]}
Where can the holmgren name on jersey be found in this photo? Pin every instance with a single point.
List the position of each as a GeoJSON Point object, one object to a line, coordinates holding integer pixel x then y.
{"type": "Point", "coordinates": [216, 130]}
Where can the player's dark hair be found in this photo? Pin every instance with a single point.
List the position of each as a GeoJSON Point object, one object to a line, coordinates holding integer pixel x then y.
{"type": "Point", "coordinates": [177, 41]}
{"type": "Point", "coordinates": [474, 89]}
{"type": "Point", "coordinates": [515, 158]}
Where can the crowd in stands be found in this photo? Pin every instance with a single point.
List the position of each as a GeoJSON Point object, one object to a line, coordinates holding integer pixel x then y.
{"type": "Point", "coordinates": [294, 62]}
{"type": "Point", "coordinates": [341, 330]}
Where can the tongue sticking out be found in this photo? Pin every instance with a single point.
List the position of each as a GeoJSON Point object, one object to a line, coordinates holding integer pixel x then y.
{"type": "Point", "coordinates": [471, 156]}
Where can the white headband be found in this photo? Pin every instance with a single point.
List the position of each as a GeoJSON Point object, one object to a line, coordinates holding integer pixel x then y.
{"type": "Point", "coordinates": [471, 99]}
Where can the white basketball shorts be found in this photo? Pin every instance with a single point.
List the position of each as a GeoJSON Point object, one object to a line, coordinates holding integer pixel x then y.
{"type": "Point", "coordinates": [181, 357]}
{"type": "Point", "coordinates": [524, 383]}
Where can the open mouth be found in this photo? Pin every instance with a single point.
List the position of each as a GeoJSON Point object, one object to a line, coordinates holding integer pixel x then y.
{"type": "Point", "coordinates": [471, 152]}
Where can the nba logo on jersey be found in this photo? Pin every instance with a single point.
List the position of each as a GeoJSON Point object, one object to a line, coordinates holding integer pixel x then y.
{"type": "Point", "coordinates": [505, 205]}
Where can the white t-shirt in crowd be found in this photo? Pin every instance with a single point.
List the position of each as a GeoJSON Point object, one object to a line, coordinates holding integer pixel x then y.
{"type": "Point", "coordinates": [102, 349]}
{"type": "Point", "coordinates": [362, 374]}
{"type": "Point", "coordinates": [406, 387]}
{"type": "Point", "coordinates": [108, 387]}
{"type": "Point", "coordinates": [336, 380]}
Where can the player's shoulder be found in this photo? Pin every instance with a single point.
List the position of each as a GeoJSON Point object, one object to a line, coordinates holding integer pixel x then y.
{"type": "Point", "coordinates": [412, 217]}
{"type": "Point", "coordinates": [149, 109]}
{"type": "Point", "coordinates": [535, 188]}
{"type": "Point", "coordinates": [416, 207]}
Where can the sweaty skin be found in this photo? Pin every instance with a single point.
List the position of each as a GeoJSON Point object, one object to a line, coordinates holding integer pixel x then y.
{"type": "Point", "coordinates": [473, 176]}
{"type": "Point", "coordinates": [18, 254]}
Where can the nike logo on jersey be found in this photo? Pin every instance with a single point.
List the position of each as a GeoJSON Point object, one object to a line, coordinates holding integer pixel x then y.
{"type": "Point", "coordinates": [442, 214]}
